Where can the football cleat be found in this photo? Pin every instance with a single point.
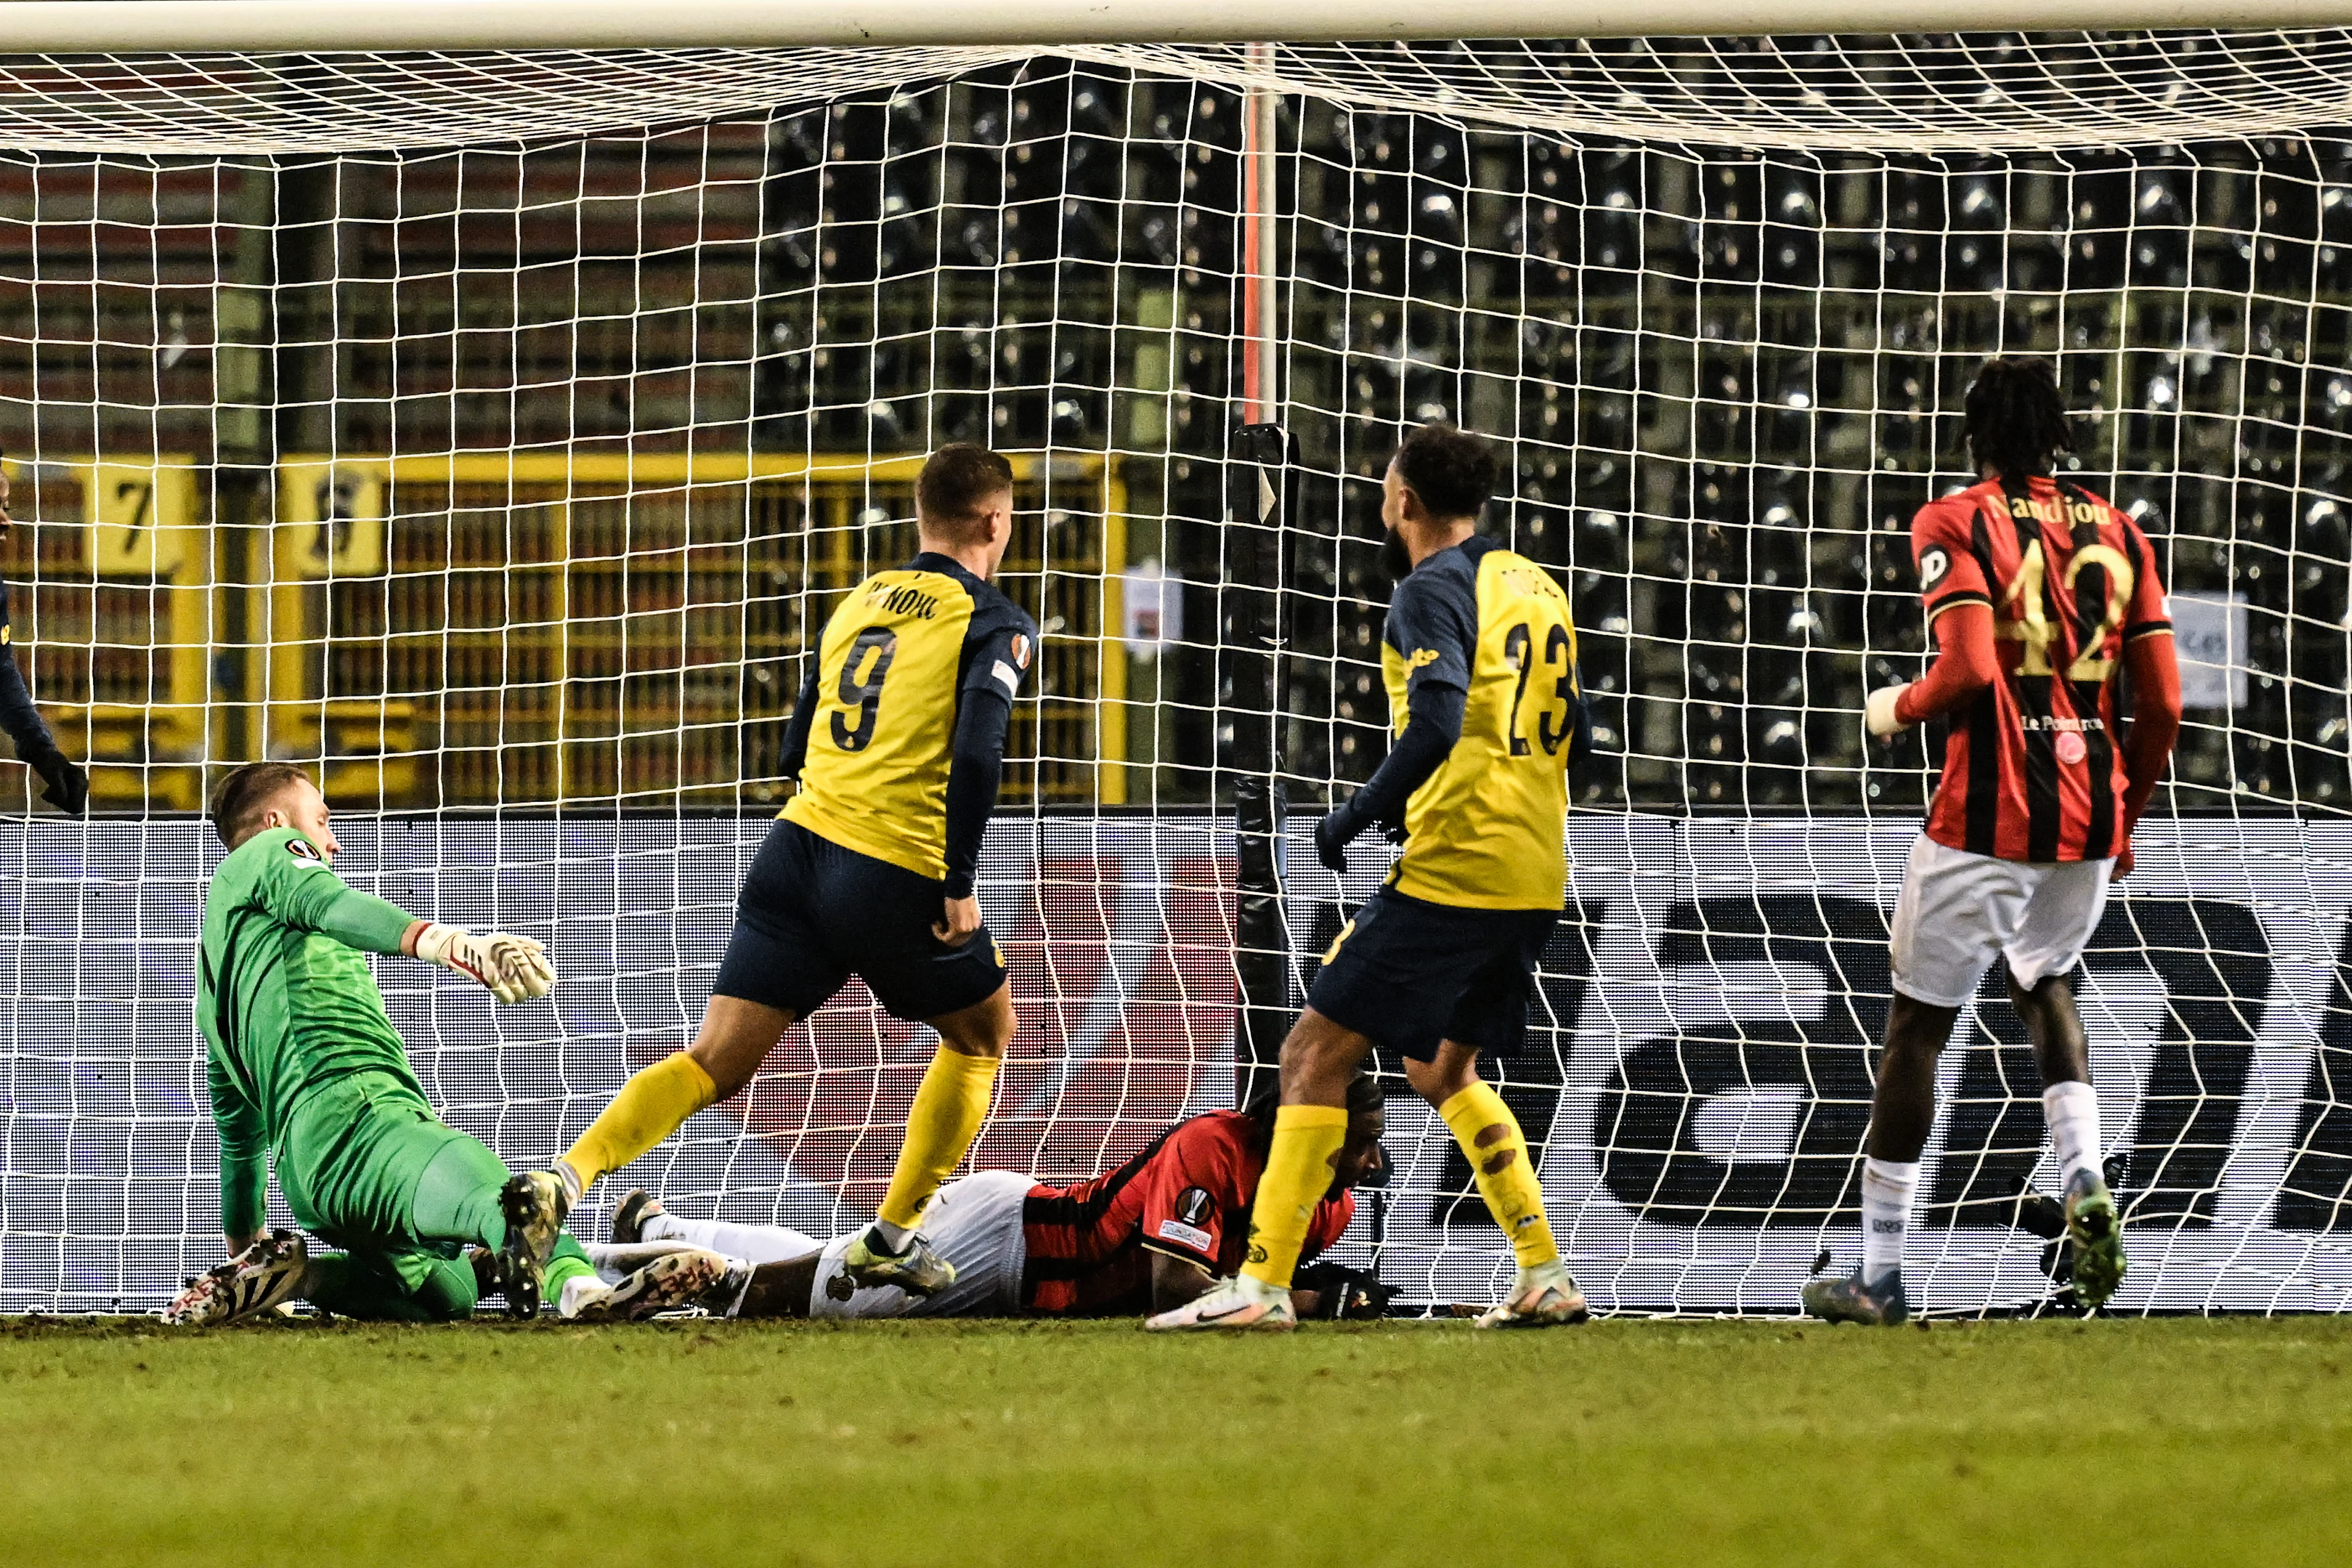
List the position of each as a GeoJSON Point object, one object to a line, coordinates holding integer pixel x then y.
{"type": "Point", "coordinates": [259, 1280]}
{"type": "Point", "coordinates": [534, 1207]}
{"type": "Point", "coordinates": [629, 1219]}
{"type": "Point", "coordinates": [1235, 1305]}
{"type": "Point", "coordinates": [918, 1271]}
{"type": "Point", "coordinates": [673, 1280]}
{"type": "Point", "coordinates": [1544, 1298]}
{"type": "Point", "coordinates": [1849, 1301]}
{"type": "Point", "coordinates": [2095, 1229]}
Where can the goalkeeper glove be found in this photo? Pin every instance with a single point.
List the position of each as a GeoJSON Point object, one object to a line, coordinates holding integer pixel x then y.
{"type": "Point", "coordinates": [1878, 713]}
{"type": "Point", "coordinates": [512, 967]}
{"type": "Point", "coordinates": [63, 785]}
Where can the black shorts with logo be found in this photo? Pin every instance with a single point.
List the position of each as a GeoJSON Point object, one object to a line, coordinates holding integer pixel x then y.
{"type": "Point", "coordinates": [813, 913]}
{"type": "Point", "coordinates": [1410, 973]}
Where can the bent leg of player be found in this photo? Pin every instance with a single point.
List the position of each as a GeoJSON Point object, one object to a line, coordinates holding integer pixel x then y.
{"type": "Point", "coordinates": [414, 1287]}
{"type": "Point", "coordinates": [946, 1117]}
{"type": "Point", "coordinates": [1492, 1016]}
{"type": "Point", "coordinates": [368, 1164]}
{"type": "Point", "coordinates": [2059, 924]}
{"type": "Point", "coordinates": [1309, 1132]}
{"type": "Point", "coordinates": [1955, 914]}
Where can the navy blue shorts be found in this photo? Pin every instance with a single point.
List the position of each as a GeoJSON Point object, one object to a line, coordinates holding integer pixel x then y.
{"type": "Point", "coordinates": [813, 913]}
{"type": "Point", "coordinates": [1410, 973]}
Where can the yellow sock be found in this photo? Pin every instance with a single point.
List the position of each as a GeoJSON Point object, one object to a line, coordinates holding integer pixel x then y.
{"type": "Point", "coordinates": [1497, 1151]}
{"type": "Point", "coordinates": [948, 1111]}
{"type": "Point", "coordinates": [1298, 1174]}
{"type": "Point", "coordinates": [650, 1107]}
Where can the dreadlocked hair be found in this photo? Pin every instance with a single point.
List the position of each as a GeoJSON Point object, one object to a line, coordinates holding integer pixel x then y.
{"type": "Point", "coordinates": [2015, 416]}
{"type": "Point", "coordinates": [1364, 1096]}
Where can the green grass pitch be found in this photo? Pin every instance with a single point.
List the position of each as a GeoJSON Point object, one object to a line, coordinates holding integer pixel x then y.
{"type": "Point", "coordinates": [967, 1444]}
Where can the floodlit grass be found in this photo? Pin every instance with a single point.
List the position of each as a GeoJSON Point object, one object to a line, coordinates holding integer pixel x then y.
{"type": "Point", "coordinates": [966, 1444]}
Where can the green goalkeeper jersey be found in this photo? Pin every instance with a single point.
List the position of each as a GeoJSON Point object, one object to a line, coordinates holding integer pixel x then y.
{"type": "Point", "coordinates": [286, 1002]}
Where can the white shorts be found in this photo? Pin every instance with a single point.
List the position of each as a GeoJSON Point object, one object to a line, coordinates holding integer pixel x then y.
{"type": "Point", "coordinates": [974, 1223]}
{"type": "Point", "coordinates": [1959, 911]}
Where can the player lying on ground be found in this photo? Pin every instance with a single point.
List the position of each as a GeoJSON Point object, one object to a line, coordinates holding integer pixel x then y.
{"type": "Point", "coordinates": [305, 1068]}
{"type": "Point", "coordinates": [1158, 1232]}
{"type": "Point", "coordinates": [898, 740]}
{"type": "Point", "coordinates": [1479, 656]}
{"type": "Point", "coordinates": [2038, 592]}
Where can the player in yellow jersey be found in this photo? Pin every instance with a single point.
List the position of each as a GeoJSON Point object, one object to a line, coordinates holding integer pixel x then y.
{"type": "Point", "coordinates": [898, 740]}
{"type": "Point", "coordinates": [1480, 661]}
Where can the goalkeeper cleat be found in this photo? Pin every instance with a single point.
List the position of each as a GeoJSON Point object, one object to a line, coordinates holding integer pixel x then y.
{"type": "Point", "coordinates": [1849, 1301]}
{"type": "Point", "coordinates": [2095, 1227]}
{"type": "Point", "coordinates": [675, 1279]}
{"type": "Point", "coordinates": [534, 1209]}
{"type": "Point", "coordinates": [918, 1271]}
{"type": "Point", "coordinates": [629, 1219]}
{"type": "Point", "coordinates": [259, 1280]}
{"type": "Point", "coordinates": [1239, 1303]}
{"type": "Point", "coordinates": [1544, 1298]}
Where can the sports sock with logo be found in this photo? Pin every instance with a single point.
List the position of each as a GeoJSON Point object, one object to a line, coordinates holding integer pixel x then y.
{"type": "Point", "coordinates": [1886, 1190]}
{"type": "Point", "coordinates": [2073, 1111]}
{"type": "Point", "coordinates": [946, 1116]}
{"type": "Point", "coordinates": [1497, 1151]}
{"type": "Point", "coordinates": [1298, 1174]}
{"type": "Point", "coordinates": [650, 1107]}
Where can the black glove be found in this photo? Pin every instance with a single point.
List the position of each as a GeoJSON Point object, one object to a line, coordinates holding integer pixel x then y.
{"type": "Point", "coordinates": [1343, 1292]}
{"type": "Point", "coordinates": [63, 785]}
{"type": "Point", "coordinates": [1333, 834]}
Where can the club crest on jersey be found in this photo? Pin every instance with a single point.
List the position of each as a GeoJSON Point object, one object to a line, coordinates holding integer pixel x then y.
{"type": "Point", "coordinates": [302, 849]}
{"type": "Point", "coordinates": [1194, 1205]}
{"type": "Point", "coordinates": [1935, 566]}
{"type": "Point", "coordinates": [1019, 649]}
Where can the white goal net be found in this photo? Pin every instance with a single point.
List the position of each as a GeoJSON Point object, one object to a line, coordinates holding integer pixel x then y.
{"type": "Point", "coordinates": [493, 429]}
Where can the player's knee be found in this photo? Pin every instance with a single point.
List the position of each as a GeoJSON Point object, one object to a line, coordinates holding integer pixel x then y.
{"type": "Point", "coordinates": [452, 1290]}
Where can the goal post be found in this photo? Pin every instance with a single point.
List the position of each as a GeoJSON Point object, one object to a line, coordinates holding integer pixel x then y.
{"type": "Point", "coordinates": [488, 419]}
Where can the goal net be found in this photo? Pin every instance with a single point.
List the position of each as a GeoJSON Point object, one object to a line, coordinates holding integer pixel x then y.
{"type": "Point", "coordinates": [493, 430]}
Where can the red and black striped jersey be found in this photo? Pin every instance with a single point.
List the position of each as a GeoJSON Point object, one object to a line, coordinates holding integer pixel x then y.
{"type": "Point", "coordinates": [1188, 1194]}
{"type": "Point", "coordinates": [2032, 767]}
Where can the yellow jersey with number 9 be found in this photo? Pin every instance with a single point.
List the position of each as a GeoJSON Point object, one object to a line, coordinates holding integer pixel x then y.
{"type": "Point", "coordinates": [893, 665]}
{"type": "Point", "coordinates": [1487, 830]}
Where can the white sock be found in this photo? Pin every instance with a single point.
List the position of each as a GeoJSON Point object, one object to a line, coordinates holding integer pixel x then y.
{"type": "Point", "coordinates": [2072, 1109]}
{"type": "Point", "coordinates": [579, 1292]}
{"type": "Point", "coordinates": [892, 1237]}
{"type": "Point", "coordinates": [1886, 1190]}
{"type": "Point", "coordinates": [753, 1243]}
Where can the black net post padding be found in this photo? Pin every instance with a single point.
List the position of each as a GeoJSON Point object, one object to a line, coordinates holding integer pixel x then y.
{"type": "Point", "coordinates": [1259, 488]}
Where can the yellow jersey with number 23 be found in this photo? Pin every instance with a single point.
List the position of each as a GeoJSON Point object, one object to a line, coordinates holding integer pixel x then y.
{"type": "Point", "coordinates": [1487, 831]}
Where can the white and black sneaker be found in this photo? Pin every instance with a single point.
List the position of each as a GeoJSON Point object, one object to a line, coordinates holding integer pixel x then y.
{"type": "Point", "coordinates": [259, 1280]}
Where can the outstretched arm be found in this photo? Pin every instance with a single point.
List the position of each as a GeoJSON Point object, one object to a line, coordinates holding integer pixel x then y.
{"type": "Point", "coordinates": [301, 891]}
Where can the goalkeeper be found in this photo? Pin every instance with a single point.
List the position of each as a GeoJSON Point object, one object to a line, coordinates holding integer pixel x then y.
{"type": "Point", "coordinates": [304, 1064]}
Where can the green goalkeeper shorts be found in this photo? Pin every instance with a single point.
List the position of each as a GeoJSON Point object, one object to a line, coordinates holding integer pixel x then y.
{"type": "Point", "coordinates": [352, 1164]}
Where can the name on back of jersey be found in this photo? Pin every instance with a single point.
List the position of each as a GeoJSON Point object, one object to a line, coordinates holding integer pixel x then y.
{"type": "Point", "coordinates": [903, 599]}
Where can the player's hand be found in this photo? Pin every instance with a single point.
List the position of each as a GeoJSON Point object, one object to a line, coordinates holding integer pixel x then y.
{"type": "Point", "coordinates": [2123, 865]}
{"type": "Point", "coordinates": [961, 919]}
{"type": "Point", "coordinates": [1878, 712]}
{"type": "Point", "coordinates": [1332, 837]}
{"type": "Point", "coordinates": [63, 785]}
{"type": "Point", "coordinates": [511, 967]}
